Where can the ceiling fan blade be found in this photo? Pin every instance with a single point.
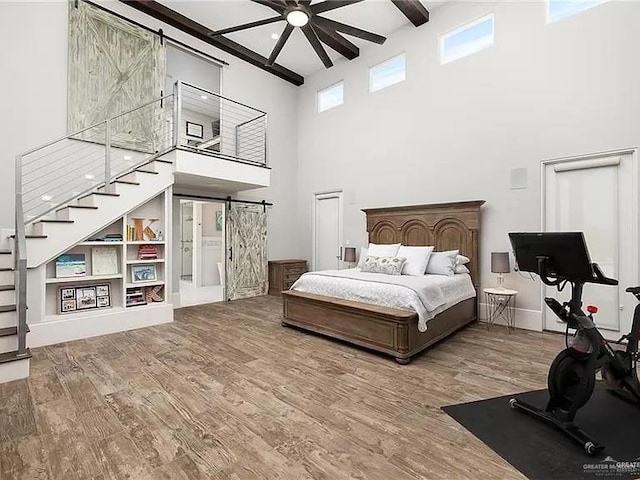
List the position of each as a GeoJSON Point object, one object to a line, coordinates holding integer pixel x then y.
{"type": "Point", "coordinates": [245, 26]}
{"type": "Point", "coordinates": [281, 41]}
{"type": "Point", "coordinates": [304, 3]}
{"type": "Point", "coordinates": [336, 41]}
{"type": "Point", "coordinates": [317, 46]}
{"type": "Point", "coordinates": [331, 5]}
{"type": "Point", "coordinates": [273, 4]}
{"type": "Point", "coordinates": [349, 30]}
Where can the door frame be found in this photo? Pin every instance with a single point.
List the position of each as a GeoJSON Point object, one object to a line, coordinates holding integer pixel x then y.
{"type": "Point", "coordinates": [635, 207]}
{"type": "Point", "coordinates": [323, 195]}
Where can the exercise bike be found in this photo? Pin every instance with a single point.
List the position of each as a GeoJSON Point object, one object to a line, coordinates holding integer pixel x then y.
{"type": "Point", "coordinates": [560, 259]}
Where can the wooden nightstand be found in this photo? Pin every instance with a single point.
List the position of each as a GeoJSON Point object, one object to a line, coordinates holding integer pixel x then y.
{"type": "Point", "coordinates": [283, 274]}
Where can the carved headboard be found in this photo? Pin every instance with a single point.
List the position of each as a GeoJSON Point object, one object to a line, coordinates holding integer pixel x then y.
{"type": "Point", "coordinates": [448, 226]}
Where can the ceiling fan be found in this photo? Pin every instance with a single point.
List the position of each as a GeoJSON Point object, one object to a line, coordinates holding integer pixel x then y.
{"type": "Point", "coordinates": [317, 29]}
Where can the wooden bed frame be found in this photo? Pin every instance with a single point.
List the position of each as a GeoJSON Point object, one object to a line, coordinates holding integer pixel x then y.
{"type": "Point", "coordinates": [394, 331]}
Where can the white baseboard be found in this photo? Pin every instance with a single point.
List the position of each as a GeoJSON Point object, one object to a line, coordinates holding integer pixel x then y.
{"type": "Point", "coordinates": [525, 318]}
{"type": "Point", "coordinates": [86, 326]}
{"type": "Point", "coordinates": [17, 370]}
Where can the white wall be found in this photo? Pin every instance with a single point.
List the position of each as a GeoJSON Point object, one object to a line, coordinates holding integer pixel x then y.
{"type": "Point", "coordinates": [34, 85]}
{"type": "Point", "coordinates": [454, 132]}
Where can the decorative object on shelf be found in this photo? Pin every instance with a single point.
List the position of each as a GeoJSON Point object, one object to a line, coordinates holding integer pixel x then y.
{"type": "Point", "coordinates": [219, 220]}
{"type": "Point", "coordinates": [148, 252]}
{"type": "Point", "coordinates": [154, 294]}
{"type": "Point", "coordinates": [143, 273]}
{"type": "Point", "coordinates": [160, 236]}
{"type": "Point", "coordinates": [131, 233]}
{"type": "Point", "coordinates": [103, 296]}
{"type": "Point", "coordinates": [195, 130]}
{"type": "Point", "coordinates": [149, 232]}
{"type": "Point", "coordinates": [135, 296]}
{"type": "Point", "coordinates": [104, 261]}
{"type": "Point", "coordinates": [113, 237]}
{"type": "Point", "coordinates": [71, 265]}
{"type": "Point", "coordinates": [138, 229]}
{"type": "Point", "coordinates": [86, 298]}
{"type": "Point", "coordinates": [500, 265]}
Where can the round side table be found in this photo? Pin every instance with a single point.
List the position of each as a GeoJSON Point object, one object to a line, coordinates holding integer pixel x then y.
{"type": "Point", "coordinates": [501, 306]}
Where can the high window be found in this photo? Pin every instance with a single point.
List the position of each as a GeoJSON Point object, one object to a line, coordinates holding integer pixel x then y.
{"type": "Point", "coordinates": [331, 97]}
{"type": "Point", "coordinates": [387, 73]}
{"type": "Point", "coordinates": [467, 39]}
{"type": "Point", "coordinates": [559, 9]}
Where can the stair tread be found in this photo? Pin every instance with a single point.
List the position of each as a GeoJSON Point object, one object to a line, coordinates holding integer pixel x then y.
{"type": "Point", "coordinates": [5, 288]}
{"type": "Point", "coordinates": [104, 194]}
{"type": "Point", "coordinates": [9, 331]}
{"type": "Point", "coordinates": [6, 269]}
{"type": "Point", "coordinates": [147, 171]}
{"type": "Point", "coordinates": [32, 236]}
{"type": "Point", "coordinates": [46, 220]}
{"type": "Point", "coordinates": [5, 252]}
{"type": "Point", "coordinates": [11, 356]}
{"type": "Point", "coordinates": [87, 207]}
{"type": "Point", "coordinates": [126, 182]}
{"type": "Point", "coordinates": [7, 308]}
{"type": "Point", "coordinates": [162, 161]}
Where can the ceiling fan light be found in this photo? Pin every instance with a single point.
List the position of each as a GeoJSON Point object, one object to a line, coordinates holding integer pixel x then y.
{"type": "Point", "coordinates": [297, 18]}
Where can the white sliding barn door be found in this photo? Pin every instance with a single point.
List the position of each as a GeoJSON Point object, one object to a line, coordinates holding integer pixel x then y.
{"type": "Point", "coordinates": [327, 231]}
{"type": "Point", "coordinates": [246, 251]}
{"type": "Point", "coordinates": [597, 196]}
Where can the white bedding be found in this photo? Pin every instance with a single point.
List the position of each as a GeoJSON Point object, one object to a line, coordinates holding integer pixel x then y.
{"type": "Point", "coordinates": [427, 295]}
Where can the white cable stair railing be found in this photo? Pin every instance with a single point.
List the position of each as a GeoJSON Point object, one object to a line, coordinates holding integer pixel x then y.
{"type": "Point", "coordinates": [59, 172]}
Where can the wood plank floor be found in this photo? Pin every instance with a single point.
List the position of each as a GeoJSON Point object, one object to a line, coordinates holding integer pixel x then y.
{"type": "Point", "coordinates": [226, 392]}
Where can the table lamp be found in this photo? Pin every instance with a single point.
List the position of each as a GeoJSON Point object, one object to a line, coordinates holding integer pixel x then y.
{"type": "Point", "coordinates": [349, 256]}
{"type": "Point", "coordinates": [500, 265]}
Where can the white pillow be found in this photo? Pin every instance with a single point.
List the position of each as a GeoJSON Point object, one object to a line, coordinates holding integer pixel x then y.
{"type": "Point", "coordinates": [462, 260]}
{"type": "Point", "coordinates": [417, 259]}
{"type": "Point", "coordinates": [390, 250]}
{"type": "Point", "coordinates": [442, 263]}
{"type": "Point", "coordinates": [363, 255]}
{"type": "Point", "coordinates": [461, 269]}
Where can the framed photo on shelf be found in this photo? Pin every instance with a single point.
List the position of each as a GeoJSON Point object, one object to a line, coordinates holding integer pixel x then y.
{"type": "Point", "coordinates": [86, 298]}
{"type": "Point", "coordinates": [143, 273]}
{"type": "Point", "coordinates": [74, 299]}
{"type": "Point", "coordinates": [71, 265]}
{"type": "Point", "coordinates": [195, 130]}
{"type": "Point", "coordinates": [104, 261]}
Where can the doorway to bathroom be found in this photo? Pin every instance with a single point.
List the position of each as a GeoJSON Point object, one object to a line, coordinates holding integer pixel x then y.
{"type": "Point", "coordinates": [202, 252]}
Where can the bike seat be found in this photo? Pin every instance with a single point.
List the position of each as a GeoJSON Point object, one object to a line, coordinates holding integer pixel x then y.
{"type": "Point", "coordinates": [633, 290]}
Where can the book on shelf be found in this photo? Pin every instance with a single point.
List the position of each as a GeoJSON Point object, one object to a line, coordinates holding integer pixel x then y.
{"type": "Point", "coordinates": [135, 296]}
{"type": "Point", "coordinates": [148, 252]}
{"type": "Point", "coordinates": [113, 237]}
{"type": "Point", "coordinates": [131, 233]}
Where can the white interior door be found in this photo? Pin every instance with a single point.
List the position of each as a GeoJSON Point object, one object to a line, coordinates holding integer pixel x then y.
{"type": "Point", "coordinates": [327, 230]}
{"type": "Point", "coordinates": [597, 196]}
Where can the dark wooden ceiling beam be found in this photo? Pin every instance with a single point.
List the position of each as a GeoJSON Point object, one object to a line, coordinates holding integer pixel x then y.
{"type": "Point", "coordinates": [331, 5]}
{"type": "Point", "coordinates": [196, 30]}
{"type": "Point", "coordinates": [413, 10]}
{"type": "Point", "coordinates": [334, 40]}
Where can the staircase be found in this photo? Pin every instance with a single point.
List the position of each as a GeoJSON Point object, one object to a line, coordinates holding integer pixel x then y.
{"type": "Point", "coordinates": [71, 188]}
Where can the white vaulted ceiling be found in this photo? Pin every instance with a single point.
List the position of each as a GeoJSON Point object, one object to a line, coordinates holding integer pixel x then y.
{"type": "Point", "coordinates": [377, 16]}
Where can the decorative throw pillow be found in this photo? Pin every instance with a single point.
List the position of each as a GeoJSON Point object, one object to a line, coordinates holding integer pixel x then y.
{"type": "Point", "coordinates": [417, 259]}
{"type": "Point", "coordinates": [442, 263]}
{"type": "Point", "coordinates": [462, 260]}
{"type": "Point", "coordinates": [461, 269]}
{"type": "Point", "coordinates": [387, 265]}
{"type": "Point", "coordinates": [380, 250]}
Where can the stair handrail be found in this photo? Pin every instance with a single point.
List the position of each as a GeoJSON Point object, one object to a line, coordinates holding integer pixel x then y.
{"type": "Point", "coordinates": [20, 265]}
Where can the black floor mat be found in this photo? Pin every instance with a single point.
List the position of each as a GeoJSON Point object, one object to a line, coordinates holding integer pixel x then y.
{"type": "Point", "coordinates": [541, 451]}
